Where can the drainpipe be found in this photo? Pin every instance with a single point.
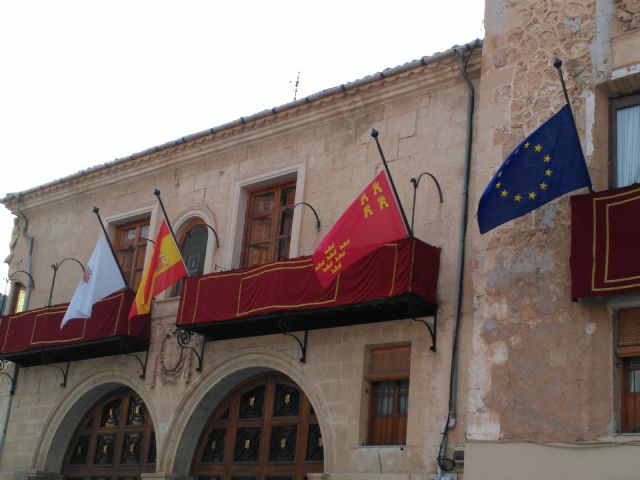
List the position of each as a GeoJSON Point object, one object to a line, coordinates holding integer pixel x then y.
{"type": "Point", "coordinates": [446, 464]}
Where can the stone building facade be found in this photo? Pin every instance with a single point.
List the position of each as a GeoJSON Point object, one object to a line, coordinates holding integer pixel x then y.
{"type": "Point", "coordinates": [537, 386]}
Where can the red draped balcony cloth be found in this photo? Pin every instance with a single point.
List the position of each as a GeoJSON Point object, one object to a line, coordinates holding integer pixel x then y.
{"type": "Point", "coordinates": [34, 337]}
{"type": "Point", "coordinates": [399, 279]}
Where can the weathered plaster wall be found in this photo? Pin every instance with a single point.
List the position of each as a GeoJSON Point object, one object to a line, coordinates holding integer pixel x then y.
{"type": "Point", "coordinates": [542, 366]}
{"type": "Point", "coordinates": [421, 116]}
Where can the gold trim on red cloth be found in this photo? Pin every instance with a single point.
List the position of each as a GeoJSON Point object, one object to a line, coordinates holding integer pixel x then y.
{"type": "Point", "coordinates": [600, 276]}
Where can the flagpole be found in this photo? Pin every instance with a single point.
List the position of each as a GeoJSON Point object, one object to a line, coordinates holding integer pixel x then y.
{"type": "Point", "coordinates": [96, 210]}
{"type": "Point", "coordinates": [557, 63]}
{"type": "Point", "coordinates": [156, 192]}
{"type": "Point", "coordinates": [374, 134]}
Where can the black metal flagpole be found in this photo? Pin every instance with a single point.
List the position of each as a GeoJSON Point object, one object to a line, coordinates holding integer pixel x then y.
{"type": "Point", "coordinates": [156, 192]}
{"type": "Point", "coordinates": [96, 210]}
{"type": "Point", "coordinates": [374, 134]}
{"type": "Point", "coordinates": [557, 63]}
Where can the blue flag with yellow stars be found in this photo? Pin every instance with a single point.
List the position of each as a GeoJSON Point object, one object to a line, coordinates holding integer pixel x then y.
{"type": "Point", "coordinates": [547, 164]}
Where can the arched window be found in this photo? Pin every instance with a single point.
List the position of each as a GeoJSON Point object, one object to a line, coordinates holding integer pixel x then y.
{"type": "Point", "coordinates": [115, 440]}
{"type": "Point", "coordinates": [193, 245]}
{"type": "Point", "coordinates": [264, 429]}
{"type": "Point", "coordinates": [19, 300]}
{"type": "Point", "coordinates": [192, 241]}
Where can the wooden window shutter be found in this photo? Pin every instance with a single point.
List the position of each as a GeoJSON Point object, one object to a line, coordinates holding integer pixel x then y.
{"type": "Point", "coordinates": [389, 363]}
{"type": "Point", "coordinates": [629, 332]}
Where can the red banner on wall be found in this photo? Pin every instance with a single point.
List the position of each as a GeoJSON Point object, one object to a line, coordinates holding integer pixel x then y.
{"type": "Point", "coordinates": [605, 241]}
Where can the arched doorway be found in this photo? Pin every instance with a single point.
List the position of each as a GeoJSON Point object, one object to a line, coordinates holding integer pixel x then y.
{"type": "Point", "coordinates": [115, 440]}
{"type": "Point", "coordinates": [266, 429]}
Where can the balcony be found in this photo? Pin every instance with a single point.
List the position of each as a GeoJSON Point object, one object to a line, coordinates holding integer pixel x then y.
{"type": "Point", "coordinates": [34, 337]}
{"type": "Point", "coordinates": [396, 281]}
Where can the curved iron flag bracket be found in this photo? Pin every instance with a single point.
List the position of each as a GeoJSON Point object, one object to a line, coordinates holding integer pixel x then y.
{"type": "Point", "coordinates": [184, 338]}
{"type": "Point", "coordinates": [312, 209]}
{"type": "Point", "coordinates": [301, 343]}
{"type": "Point", "coordinates": [433, 330]}
{"type": "Point", "coordinates": [55, 268]}
{"type": "Point", "coordinates": [143, 366]}
{"type": "Point", "coordinates": [416, 182]}
{"type": "Point", "coordinates": [64, 371]}
{"type": "Point", "coordinates": [13, 379]}
{"type": "Point", "coordinates": [215, 234]}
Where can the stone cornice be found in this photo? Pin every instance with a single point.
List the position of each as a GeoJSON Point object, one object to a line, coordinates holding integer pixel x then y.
{"type": "Point", "coordinates": [428, 74]}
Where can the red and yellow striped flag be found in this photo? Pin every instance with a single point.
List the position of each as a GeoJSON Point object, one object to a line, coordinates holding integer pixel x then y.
{"type": "Point", "coordinates": [164, 268]}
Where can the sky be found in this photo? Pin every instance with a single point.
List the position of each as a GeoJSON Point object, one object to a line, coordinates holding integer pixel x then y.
{"type": "Point", "coordinates": [86, 82]}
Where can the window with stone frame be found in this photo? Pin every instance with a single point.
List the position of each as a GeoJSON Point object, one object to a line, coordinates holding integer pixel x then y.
{"type": "Point", "coordinates": [131, 246]}
{"type": "Point", "coordinates": [192, 240]}
{"type": "Point", "coordinates": [628, 352]}
{"type": "Point", "coordinates": [388, 379]}
{"type": "Point", "coordinates": [624, 141]}
{"type": "Point", "coordinates": [267, 231]}
{"type": "Point", "coordinates": [19, 298]}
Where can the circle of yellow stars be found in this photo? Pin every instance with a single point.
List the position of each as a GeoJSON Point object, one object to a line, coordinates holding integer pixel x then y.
{"type": "Point", "coordinates": [517, 197]}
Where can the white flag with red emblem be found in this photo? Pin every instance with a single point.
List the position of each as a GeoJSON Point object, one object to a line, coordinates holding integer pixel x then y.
{"type": "Point", "coordinates": [101, 277]}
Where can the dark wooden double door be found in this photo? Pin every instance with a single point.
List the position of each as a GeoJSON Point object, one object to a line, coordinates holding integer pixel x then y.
{"type": "Point", "coordinates": [264, 430]}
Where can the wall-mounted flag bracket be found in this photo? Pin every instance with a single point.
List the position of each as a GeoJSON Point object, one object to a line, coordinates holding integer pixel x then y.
{"type": "Point", "coordinates": [55, 268]}
{"type": "Point", "coordinates": [184, 338]}
{"type": "Point", "coordinates": [64, 371]}
{"type": "Point", "coordinates": [433, 329]}
{"type": "Point", "coordinates": [13, 379]}
{"type": "Point", "coordinates": [312, 209]}
{"type": "Point", "coordinates": [301, 343]}
{"type": "Point", "coordinates": [416, 182]}
{"type": "Point", "coordinates": [143, 366]}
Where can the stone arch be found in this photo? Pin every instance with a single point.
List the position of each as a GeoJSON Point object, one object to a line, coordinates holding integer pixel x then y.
{"type": "Point", "coordinates": [64, 418]}
{"type": "Point", "coordinates": [177, 450]}
{"type": "Point", "coordinates": [207, 217]}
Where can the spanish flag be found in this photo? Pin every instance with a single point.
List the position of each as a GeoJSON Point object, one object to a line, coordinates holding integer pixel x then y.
{"type": "Point", "coordinates": [164, 268]}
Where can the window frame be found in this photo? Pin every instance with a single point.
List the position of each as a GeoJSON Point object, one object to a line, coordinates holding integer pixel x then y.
{"type": "Point", "coordinates": [232, 250]}
{"type": "Point", "coordinates": [627, 351]}
{"type": "Point", "coordinates": [18, 302]}
{"type": "Point", "coordinates": [388, 364]}
{"type": "Point", "coordinates": [616, 104]}
{"type": "Point", "coordinates": [139, 250]}
{"type": "Point", "coordinates": [183, 231]}
{"type": "Point", "coordinates": [276, 213]}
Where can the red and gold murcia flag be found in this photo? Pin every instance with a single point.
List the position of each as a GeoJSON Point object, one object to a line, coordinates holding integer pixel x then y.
{"type": "Point", "coordinates": [164, 268]}
{"type": "Point", "coordinates": [371, 220]}
{"type": "Point", "coordinates": [605, 230]}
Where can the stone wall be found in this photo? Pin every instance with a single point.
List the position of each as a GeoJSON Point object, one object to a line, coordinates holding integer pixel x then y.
{"type": "Point", "coordinates": [421, 116]}
{"type": "Point", "coordinates": [547, 373]}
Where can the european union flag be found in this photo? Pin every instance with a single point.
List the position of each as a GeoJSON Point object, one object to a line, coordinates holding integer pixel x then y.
{"type": "Point", "coordinates": [547, 164]}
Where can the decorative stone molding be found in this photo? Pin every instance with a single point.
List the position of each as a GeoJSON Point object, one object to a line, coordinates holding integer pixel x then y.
{"type": "Point", "coordinates": [628, 14]}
